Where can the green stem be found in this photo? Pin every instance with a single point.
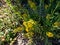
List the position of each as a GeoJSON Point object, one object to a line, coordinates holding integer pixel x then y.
{"type": "Point", "coordinates": [55, 8]}
{"type": "Point", "coordinates": [46, 41]}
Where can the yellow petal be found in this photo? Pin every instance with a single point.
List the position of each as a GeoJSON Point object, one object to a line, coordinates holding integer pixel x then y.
{"type": "Point", "coordinates": [26, 29]}
{"type": "Point", "coordinates": [49, 34]}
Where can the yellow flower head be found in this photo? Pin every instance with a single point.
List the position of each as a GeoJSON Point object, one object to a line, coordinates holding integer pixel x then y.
{"type": "Point", "coordinates": [49, 34]}
{"type": "Point", "coordinates": [29, 24]}
{"type": "Point", "coordinates": [56, 24]}
{"type": "Point", "coordinates": [32, 4]}
{"type": "Point", "coordinates": [29, 34]}
{"type": "Point", "coordinates": [18, 29]}
{"type": "Point", "coordinates": [46, 6]}
{"type": "Point", "coordinates": [27, 29]}
{"type": "Point", "coordinates": [25, 24]}
{"type": "Point", "coordinates": [24, 15]}
{"type": "Point", "coordinates": [48, 16]}
{"type": "Point", "coordinates": [32, 21]}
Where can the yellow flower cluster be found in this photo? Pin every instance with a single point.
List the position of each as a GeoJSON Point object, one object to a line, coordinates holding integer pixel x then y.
{"type": "Point", "coordinates": [46, 6]}
{"type": "Point", "coordinates": [29, 35]}
{"type": "Point", "coordinates": [24, 15]}
{"type": "Point", "coordinates": [18, 29]}
{"type": "Point", "coordinates": [56, 24]}
{"type": "Point", "coordinates": [29, 24]}
{"type": "Point", "coordinates": [32, 4]}
{"type": "Point", "coordinates": [49, 34]}
{"type": "Point", "coordinates": [48, 16]}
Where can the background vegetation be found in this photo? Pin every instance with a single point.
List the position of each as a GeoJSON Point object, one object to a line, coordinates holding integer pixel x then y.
{"type": "Point", "coordinates": [37, 20]}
